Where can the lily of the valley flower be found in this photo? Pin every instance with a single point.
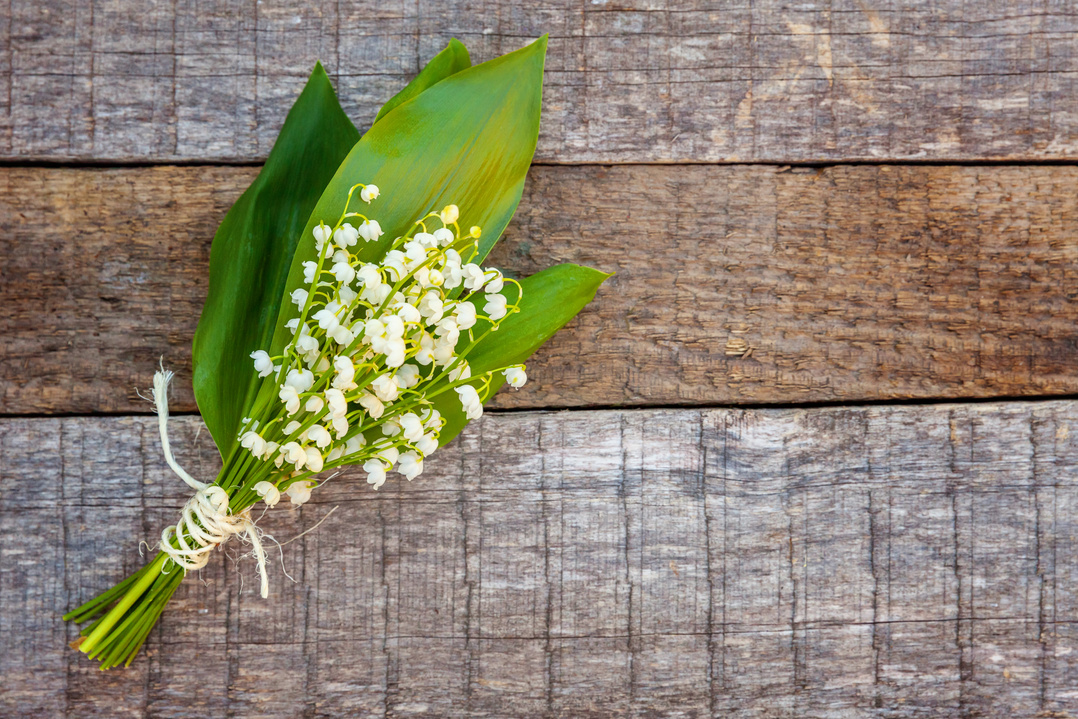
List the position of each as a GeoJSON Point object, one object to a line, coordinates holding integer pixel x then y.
{"type": "Point", "coordinates": [299, 492]}
{"type": "Point", "coordinates": [469, 400]}
{"type": "Point", "coordinates": [263, 363]}
{"type": "Point", "coordinates": [368, 193]}
{"type": "Point", "coordinates": [373, 344]}
{"type": "Point", "coordinates": [268, 492]}
{"type": "Point", "coordinates": [515, 376]}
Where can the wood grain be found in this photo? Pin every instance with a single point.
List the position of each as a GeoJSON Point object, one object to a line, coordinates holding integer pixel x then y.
{"type": "Point", "coordinates": [889, 561]}
{"type": "Point", "coordinates": [734, 284]}
{"type": "Point", "coordinates": [660, 81]}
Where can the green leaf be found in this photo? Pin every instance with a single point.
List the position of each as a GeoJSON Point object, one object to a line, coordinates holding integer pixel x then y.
{"type": "Point", "coordinates": [252, 252]}
{"type": "Point", "coordinates": [467, 140]}
{"type": "Point", "coordinates": [551, 298]}
{"type": "Point", "coordinates": [449, 61]}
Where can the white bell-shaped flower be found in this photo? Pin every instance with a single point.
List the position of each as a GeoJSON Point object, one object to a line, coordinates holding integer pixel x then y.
{"type": "Point", "coordinates": [407, 376]}
{"type": "Point", "coordinates": [474, 277]}
{"type": "Point", "coordinates": [346, 236]}
{"type": "Point", "coordinates": [315, 462]}
{"type": "Point", "coordinates": [327, 319]}
{"type": "Point", "coordinates": [469, 401]}
{"type": "Point", "coordinates": [290, 397]}
{"type": "Point", "coordinates": [410, 465]}
{"type": "Point", "coordinates": [425, 354]}
{"type": "Point", "coordinates": [369, 275]}
{"type": "Point", "coordinates": [294, 454]}
{"type": "Point", "coordinates": [376, 472]}
{"type": "Point", "coordinates": [299, 492]}
{"type": "Point", "coordinates": [409, 314]}
{"type": "Point", "coordinates": [449, 330]}
{"type": "Point", "coordinates": [346, 373]}
{"type": "Point", "coordinates": [263, 363]}
{"type": "Point", "coordinates": [385, 387]}
{"type": "Point", "coordinates": [301, 379]}
{"type": "Point", "coordinates": [515, 376]}
{"type": "Point", "coordinates": [344, 272]}
{"type": "Point", "coordinates": [452, 271]}
{"type": "Point", "coordinates": [444, 347]}
{"type": "Point", "coordinates": [444, 236]}
{"type": "Point", "coordinates": [271, 450]}
{"type": "Point", "coordinates": [338, 405]}
{"type": "Point", "coordinates": [396, 264]}
{"type": "Point", "coordinates": [299, 297]}
{"type": "Point", "coordinates": [495, 281]}
{"type": "Point", "coordinates": [340, 426]}
{"type": "Point", "coordinates": [396, 352]}
{"type": "Point", "coordinates": [432, 418]}
{"type": "Point", "coordinates": [388, 453]}
{"type": "Point", "coordinates": [253, 442]}
{"type": "Point", "coordinates": [321, 234]}
{"type": "Point", "coordinates": [342, 336]}
{"type": "Point", "coordinates": [370, 231]}
{"type": "Point", "coordinates": [495, 307]}
{"type": "Point", "coordinates": [372, 404]}
{"type": "Point", "coordinates": [394, 327]}
{"type": "Point", "coordinates": [460, 371]}
{"type": "Point", "coordinates": [464, 314]}
{"type": "Point", "coordinates": [431, 307]}
{"type": "Point", "coordinates": [354, 444]}
{"type": "Point", "coordinates": [320, 436]}
{"type": "Point", "coordinates": [268, 492]}
{"type": "Point", "coordinates": [412, 426]}
{"type": "Point", "coordinates": [427, 444]}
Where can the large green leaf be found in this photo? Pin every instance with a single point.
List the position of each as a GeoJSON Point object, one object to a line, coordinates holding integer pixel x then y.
{"type": "Point", "coordinates": [449, 61]}
{"type": "Point", "coordinates": [467, 140]}
{"type": "Point", "coordinates": [551, 298]}
{"type": "Point", "coordinates": [252, 252]}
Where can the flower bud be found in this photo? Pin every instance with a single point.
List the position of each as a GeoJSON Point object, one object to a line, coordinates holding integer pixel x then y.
{"type": "Point", "coordinates": [449, 214]}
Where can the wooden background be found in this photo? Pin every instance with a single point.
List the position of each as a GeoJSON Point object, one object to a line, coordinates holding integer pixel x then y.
{"type": "Point", "coordinates": [821, 450]}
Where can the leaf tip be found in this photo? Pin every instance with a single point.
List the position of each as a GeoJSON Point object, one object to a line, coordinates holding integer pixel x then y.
{"type": "Point", "coordinates": [459, 48]}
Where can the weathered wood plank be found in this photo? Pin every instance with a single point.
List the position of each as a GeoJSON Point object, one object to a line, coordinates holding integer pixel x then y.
{"type": "Point", "coordinates": [878, 561]}
{"type": "Point", "coordinates": [626, 82]}
{"type": "Point", "coordinates": [734, 283]}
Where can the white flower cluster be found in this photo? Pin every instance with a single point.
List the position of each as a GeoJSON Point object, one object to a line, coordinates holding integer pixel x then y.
{"type": "Point", "coordinates": [372, 345]}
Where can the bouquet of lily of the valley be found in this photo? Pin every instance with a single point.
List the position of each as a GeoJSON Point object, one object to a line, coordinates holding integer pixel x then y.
{"type": "Point", "coordinates": [350, 319]}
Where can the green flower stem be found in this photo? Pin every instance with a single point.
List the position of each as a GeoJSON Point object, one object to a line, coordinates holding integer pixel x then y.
{"type": "Point", "coordinates": [129, 598]}
{"type": "Point", "coordinates": [94, 606]}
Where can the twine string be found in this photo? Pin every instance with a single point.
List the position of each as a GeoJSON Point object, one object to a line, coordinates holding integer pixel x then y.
{"type": "Point", "coordinates": [205, 521]}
